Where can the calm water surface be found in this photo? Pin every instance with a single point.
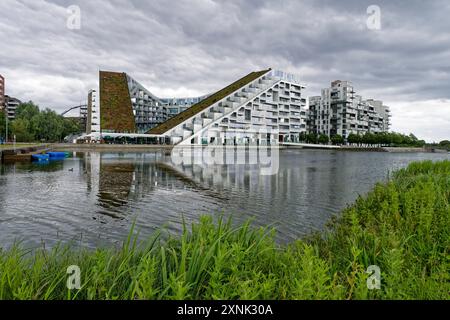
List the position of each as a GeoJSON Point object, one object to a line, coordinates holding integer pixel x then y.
{"type": "Point", "coordinates": [92, 198]}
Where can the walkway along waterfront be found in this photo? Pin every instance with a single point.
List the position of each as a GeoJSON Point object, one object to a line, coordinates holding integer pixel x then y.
{"type": "Point", "coordinates": [21, 153]}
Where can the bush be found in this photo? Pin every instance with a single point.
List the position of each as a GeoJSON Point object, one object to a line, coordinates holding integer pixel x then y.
{"type": "Point", "coordinates": [323, 139]}
{"type": "Point", "coordinates": [337, 139]}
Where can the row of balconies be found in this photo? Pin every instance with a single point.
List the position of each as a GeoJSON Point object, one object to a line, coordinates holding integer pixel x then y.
{"type": "Point", "coordinates": [217, 111]}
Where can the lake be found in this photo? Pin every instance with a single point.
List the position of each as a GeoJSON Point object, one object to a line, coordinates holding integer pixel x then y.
{"type": "Point", "coordinates": [93, 198]}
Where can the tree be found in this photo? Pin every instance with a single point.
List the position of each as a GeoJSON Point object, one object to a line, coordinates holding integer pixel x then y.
{"type": "Point", "coordinates": [413, 138]}
{"type": "Point", "coordinates": [27, 110]}
{"type": "Point", "coordinates": [353, 138]}
{"type": "Point", "coordinates": [70, 126]}
{"type": "Point", "coordinates": [337, 139]}
{"type": "Point", "coordinates": [32, 124]}
{"type": "Point", "coordinates": [311, 138]}
{"type": "Point", "coordinates": [302, 136]}
{"type": "Point", "coordinates": [323, 139]}
{"type": "Point", "coordinates": [21, 129]}
{"type": "Point", "coordinates": [396, 138]}
{"type": "Point", "coordinates": [368, 138]}
{"type": "Point", "coordinates": [2, 126]}
{"type": "Point", "coordinates": [445, 144]}
{"type": "Point", "coordinates": [383, 138]}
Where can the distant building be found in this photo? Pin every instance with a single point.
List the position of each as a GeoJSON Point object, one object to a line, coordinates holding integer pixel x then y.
{"type": "Point", "coordinates": [93, 113]}
{"type": "Point", "coordinates": [8, 104]}
{"type": "Point", "coordinates": [83, 117]}
{"type": "Point", "coordinates": [11, 105]}
{"type": "Point", "coordinates": [177, 105]}
{"type": "Point", "coordinates": [2, 93]}
{"type": "Point", "coordinates": [339, 111]}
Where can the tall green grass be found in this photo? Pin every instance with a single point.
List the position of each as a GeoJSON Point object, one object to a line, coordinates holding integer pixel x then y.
{"type": "Point", "coordinates": [401, 226]}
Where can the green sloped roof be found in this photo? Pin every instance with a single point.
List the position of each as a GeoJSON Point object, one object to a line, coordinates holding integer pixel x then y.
{"type": "Point", "coordinates": [116, 109]}
{"type": "Point", "coordinates": [202, 105]}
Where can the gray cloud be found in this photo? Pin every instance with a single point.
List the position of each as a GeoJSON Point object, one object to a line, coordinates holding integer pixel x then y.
{"type": "Point", "coordinates": [195, 47]}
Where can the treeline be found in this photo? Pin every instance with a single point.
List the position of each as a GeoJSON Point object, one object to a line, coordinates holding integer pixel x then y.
{"type": "Point", "coordinates": [34, 125]}
{"type": "Point", "coordinates": [393, 139]}
{"type": "Point", "coordinates": [444, 144]}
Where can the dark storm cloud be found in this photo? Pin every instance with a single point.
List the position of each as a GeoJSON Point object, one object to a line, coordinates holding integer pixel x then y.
{"type": "Point", "coordinates": [196, 47]}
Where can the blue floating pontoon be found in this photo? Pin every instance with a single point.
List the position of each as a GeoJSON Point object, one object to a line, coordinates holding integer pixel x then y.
{"type": "Point", "coordinates": [40, 157]}
{"type": "Point", "coordinates": [59, 155]}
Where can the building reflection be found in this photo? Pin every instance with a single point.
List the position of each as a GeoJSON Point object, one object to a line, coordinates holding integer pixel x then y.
{"type": "Point", "coordinates": [304, 191]}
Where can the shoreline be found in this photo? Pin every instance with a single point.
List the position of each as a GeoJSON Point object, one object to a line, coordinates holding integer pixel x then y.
{"type": "Point", "coordinates": [23, 153]}
{"type": "Point", "coordinates": [150, 147]}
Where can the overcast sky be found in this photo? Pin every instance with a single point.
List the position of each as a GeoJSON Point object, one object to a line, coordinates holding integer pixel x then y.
{"type": "Point", "coordinates": [185, 48]}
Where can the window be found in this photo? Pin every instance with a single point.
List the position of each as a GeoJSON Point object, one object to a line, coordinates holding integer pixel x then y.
{"type": "Point", "coordinates": [248, 115]}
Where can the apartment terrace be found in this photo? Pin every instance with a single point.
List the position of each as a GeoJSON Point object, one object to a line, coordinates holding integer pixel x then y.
{"type": "Point", "coordinates": [206, 103]}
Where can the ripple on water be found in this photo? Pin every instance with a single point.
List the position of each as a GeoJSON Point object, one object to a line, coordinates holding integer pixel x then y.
{"type": "Point", "coordinates": [97, 201]}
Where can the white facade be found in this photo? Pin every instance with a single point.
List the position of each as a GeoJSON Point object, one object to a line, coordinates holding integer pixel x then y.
{"type": "Point", "coordinates": [94, 114]}
{"type": "Point", "coordinates": [267, 110]}
{"type": "Point", "coordinates": [339, 111]}
{"type": "Point", "coordinates": [148, 110]}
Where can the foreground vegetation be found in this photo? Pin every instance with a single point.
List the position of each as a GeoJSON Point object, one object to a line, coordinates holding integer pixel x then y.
{"type": "Point", "coordinates": [401, 226]}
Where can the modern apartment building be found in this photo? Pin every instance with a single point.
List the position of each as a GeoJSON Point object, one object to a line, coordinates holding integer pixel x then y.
{"type": "Point", "coordinates": [264, 107]}
{"type": "Point", "coordinates": [2, 93]}
{"type": "Point", "coordinates": [340, 111]}
{"type": "Point", "coordinates": [11, 105]}
{"type": "Point", "coordinates": [93, 113]}
{"type": "Point", "coordinates": [126, 106]}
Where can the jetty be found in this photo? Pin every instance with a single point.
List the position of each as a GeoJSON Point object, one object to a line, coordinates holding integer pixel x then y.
{"type": "Point", "coordinates": [22, 153]}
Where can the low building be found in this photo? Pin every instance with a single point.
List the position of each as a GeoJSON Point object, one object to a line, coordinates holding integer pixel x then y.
{"type": "Point", "coordinates": [340, 111]}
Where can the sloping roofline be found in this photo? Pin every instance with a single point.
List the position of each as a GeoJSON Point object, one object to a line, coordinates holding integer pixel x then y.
{"type": "Point", "coordinates": [202, 105]}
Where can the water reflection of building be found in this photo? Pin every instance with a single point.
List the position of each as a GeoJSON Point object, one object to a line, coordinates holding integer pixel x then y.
{"type": "Point", "coordinates": [115, 183]}
{"type": "Point", "coordinates": [115, 180]}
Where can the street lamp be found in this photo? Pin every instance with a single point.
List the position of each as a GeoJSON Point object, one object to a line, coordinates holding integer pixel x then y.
{"type": "Point", "coordinates": [6, 120]}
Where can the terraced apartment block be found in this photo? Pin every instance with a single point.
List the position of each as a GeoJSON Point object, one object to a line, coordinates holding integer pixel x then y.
{"type": "Point", "coordinates": [340, 111]}
{"type": "Point", "coordinates": [240, 113]}
{"type": "Point", "coordinates": [264, 107]}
